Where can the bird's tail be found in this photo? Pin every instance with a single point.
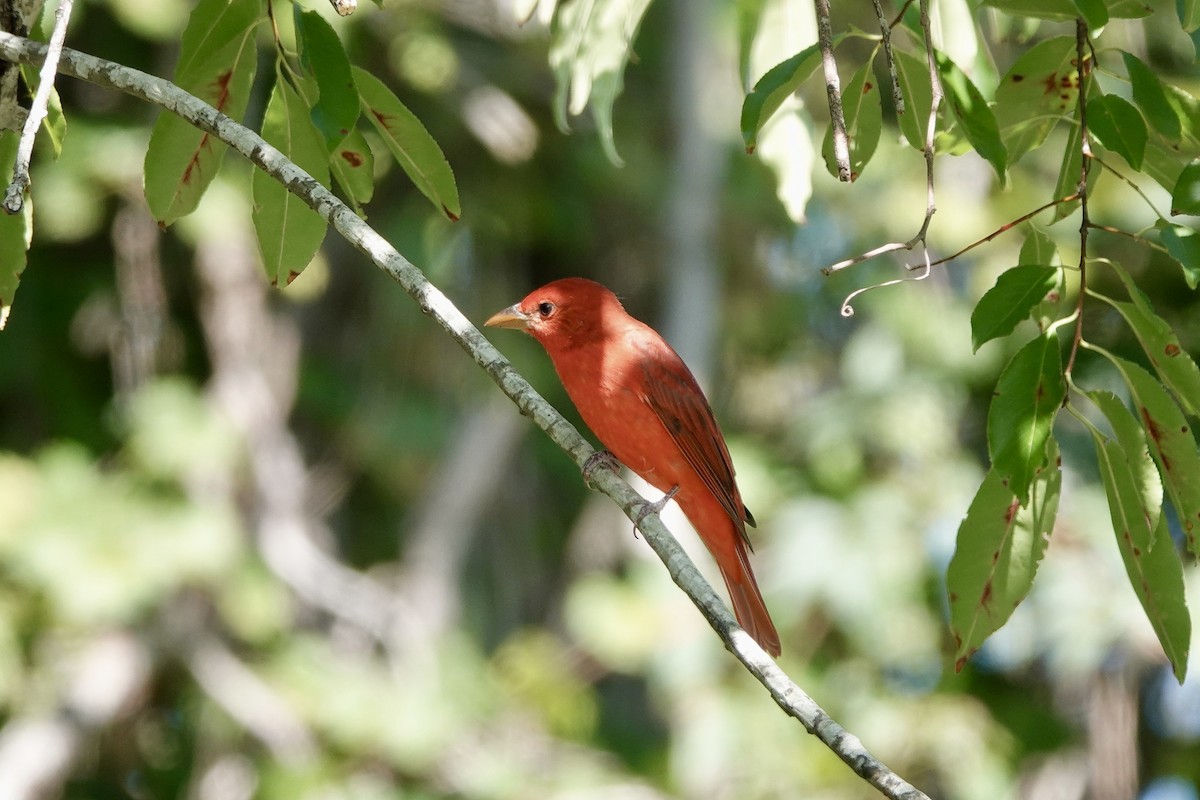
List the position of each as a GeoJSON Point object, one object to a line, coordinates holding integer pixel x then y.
{"type": "Point", "coordinates": [748, 604]}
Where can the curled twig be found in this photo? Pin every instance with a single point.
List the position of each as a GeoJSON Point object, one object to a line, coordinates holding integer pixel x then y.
{"type": "Point", "coordinates": [848, 310]}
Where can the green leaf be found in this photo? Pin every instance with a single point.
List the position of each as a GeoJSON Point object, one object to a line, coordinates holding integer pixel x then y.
{"type": "Point", "coordinates": [1038, 91]}
{"type": "Point", "coordinates": [777, 85]}
{"type": "Point", "coordinates": [913, 74]}
{"type": "Point", "coordinates": [1135, 492]}
{"type": "Point", "coordinates": [289, 232]}
{"type": "Point", "coordinates": [1156, 576]}
{"type": "Point", "coordinates": [1189, 14]}
{"type": "Point", "coordinates": [1183, 243]}
{"type": "Point", "coordinates": [1187, 108]}
{"type": "Point", "coordinates": [1172, 363]}
{"type": "Point", "coordinates": [16, 232]}
{"type": "Point", "coordinates": [1171, 443]}
{"type": "Point", "coordinates": [1038, 249]}
{"type": "Point", "coordinates": [55, 123]}
{"type": "Point", "coordinates": [864, 122]}
{"type": "Point", "coordinates": [1058, 10]}
{"type": "Point", "coordinates": [353, 165]}
{"type": "Point", "coordinates": [1119, 127]}
{"type": "Point", "coordinates": [1027, 398]}
{"type": "Point", "coordinates": [1070, 173]}
{"type": "Point", "coordinates": [414, 149]}
{"type": "Point", "coordinates": [973, 114]}
{"type": "Point", "coordinates": [1066, 11]}
{"type": "Point", "coordinates": [591, 43]}
{"type": "Point", "coordinates": [1185, 195]}
{"type": "Point", "coordinates": [1094, 12]}
{"type": "Point", "coordinates": [1000, 545]}
{"type": "Point", "coordinates": [1016, 293]}
{"type": "Point", "coordinates": [323, 57]}
{"type": "Point", "coordinates": [1151, 97]}
{"type": "Point", "coordinates": [216, 64]}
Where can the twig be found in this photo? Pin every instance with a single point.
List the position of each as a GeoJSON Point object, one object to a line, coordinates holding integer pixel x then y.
{"type": "Point", "coordinates": [14, 198]}
{"type": "Point", "coordinates": [1005, 228]}
{"type": "Point", "coordinates": [900, 15]}
{"type": "Point", "coordinates": [1129, 182]}
{"type": "Point", "coordinates": [1085, 153]}
{"type": "Point", "coordinates": [935, 85]}
{"type": "Point", "coordinates": [833, 88]}
{"type": "Point", "coordinates": [848, 310]}
{"type": "Point", "coordinates": [786, 693]}
{"type": "Point", "coordinates": [897, 97]}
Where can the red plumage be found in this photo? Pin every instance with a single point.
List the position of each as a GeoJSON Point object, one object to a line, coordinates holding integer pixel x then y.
{"type": "Point", "coordinates": [643, 403]}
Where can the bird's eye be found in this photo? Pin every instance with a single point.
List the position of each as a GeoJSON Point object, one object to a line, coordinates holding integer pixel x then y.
{"type": "Point", "coordinates": [545, 309]}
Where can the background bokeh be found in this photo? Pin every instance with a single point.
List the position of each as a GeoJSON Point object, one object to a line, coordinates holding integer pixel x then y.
{"type": "Point", "coordinates": [293, 544]}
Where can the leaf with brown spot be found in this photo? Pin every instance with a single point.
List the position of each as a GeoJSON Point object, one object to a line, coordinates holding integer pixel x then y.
{"type": "Point", "coordinates": [1156, 576]}
{"type": "Point", "coordinates": [1028, 396]}
{"type": "Point", "coordinates": [1171, 444]}
{"type": "Point", "coordinates": [1000, 545]}
{"type": "Point", "coordinates": [353, 166]}
{"type": "Point", "coordinates": [1028, 109]}
{"type": "Point", "coordinates": [1131, 481]}
{"type": "Point", "coordinates": [1172, 363]}
{"type": "Point", "coordinates": [417, 153]}
{"type": "Point", "coordinates": [216, 63]}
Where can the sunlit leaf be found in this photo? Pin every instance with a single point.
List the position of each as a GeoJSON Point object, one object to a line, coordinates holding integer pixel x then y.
{"type": "Point", "coordinates": [1000, 545]}
{"type": "Point", "coordinates": [1016, 292]}
{"type": "Point", "coordinates": [1171, 443]}
{"type": "Point", "coordinates": [216, 63]}
{"type": "Point", "coordinates": [1172, 363]}
{"type": "Point", "coordinates": [772, 89]}
{"type": "Point", "coordinates": [591, 44]}
{"type": "Point", "coordinates": [323, 57]}
{"type": "Point", "coordinates": [1189, 14]}
{"type": "Point", "coordinates": [353, 165]}
{"type": "Point", "coordinates": [1151, 97]}
{"type": "Point", "coordinates": [1028, 395]}
{"type": "Point", "coordinates": [1183, 243]}
{"type": "Point", "coordinates": [1156, 575]}
{"type": "Point", "coordinates": [864, 122]}
{"type": "Point", "coordinates": [973, 114]}
{"type": "Point", "coordinates": [1119, 127]}
{"type": "Point", "coordinates": [913, 74]}
{"type": "Point", "coordinates": [289, 232]}
{"type": "Point", "coordinates": [1038, 91]}
{"type": "Point", "coordinates": [414, 149]}
{"type": "Point", "coordinates": [1135, 492]}
{"type": "Point", "coordinates": [16, 231]}
{"type": "Point", "coordinates": [55, 122]}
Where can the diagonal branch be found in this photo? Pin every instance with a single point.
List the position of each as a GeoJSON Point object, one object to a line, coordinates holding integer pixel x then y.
{"type": "Point", "coordinates": [786, 693]}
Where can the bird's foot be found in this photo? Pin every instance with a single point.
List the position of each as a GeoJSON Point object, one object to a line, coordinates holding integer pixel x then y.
{"type": "Point", "coordinates": [600, 457]}
{"type": "Point", "coordinates": [649, 508]}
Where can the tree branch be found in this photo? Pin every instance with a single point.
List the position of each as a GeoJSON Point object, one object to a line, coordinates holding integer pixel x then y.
{"type": "Point", "coordinates": [14, 197]}
{"type": "Point", "coordinates": [786, 693]}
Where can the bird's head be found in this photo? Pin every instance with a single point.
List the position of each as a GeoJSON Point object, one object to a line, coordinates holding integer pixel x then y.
{"type": "Point", "coordinates": [562, 312]}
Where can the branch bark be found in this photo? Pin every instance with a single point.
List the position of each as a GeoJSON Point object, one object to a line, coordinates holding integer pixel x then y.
{"type": "Point", "coordinates": [786, 693]}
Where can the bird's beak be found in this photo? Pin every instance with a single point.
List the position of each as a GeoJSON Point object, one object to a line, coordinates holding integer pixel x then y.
{"type": "Point", "coordinates": [511, 317]}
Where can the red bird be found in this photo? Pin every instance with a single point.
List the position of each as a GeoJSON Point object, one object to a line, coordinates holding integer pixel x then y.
{"type": "Point", "coordinates": [640, 399]}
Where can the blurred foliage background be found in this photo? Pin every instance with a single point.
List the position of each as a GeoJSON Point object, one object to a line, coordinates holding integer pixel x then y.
{"type": "Point", "coordinates": [294, 545]}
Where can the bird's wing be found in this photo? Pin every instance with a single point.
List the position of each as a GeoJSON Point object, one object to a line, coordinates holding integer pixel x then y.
{"type": "Point", "coordinates": [675, 397]}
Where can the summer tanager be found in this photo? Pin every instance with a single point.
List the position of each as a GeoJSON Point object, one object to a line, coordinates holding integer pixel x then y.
{"type": "Point", "coordinates": [642, 402]}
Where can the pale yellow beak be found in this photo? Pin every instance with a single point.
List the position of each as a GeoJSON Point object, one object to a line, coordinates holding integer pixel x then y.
{"type": "Point", "coordinates": [511, 317]}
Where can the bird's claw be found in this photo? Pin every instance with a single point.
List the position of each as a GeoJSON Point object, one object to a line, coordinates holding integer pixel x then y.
{"type": "Point", "coordinates": [600, 457]}
{"type": "Point", "coordinates": [649, 508]}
